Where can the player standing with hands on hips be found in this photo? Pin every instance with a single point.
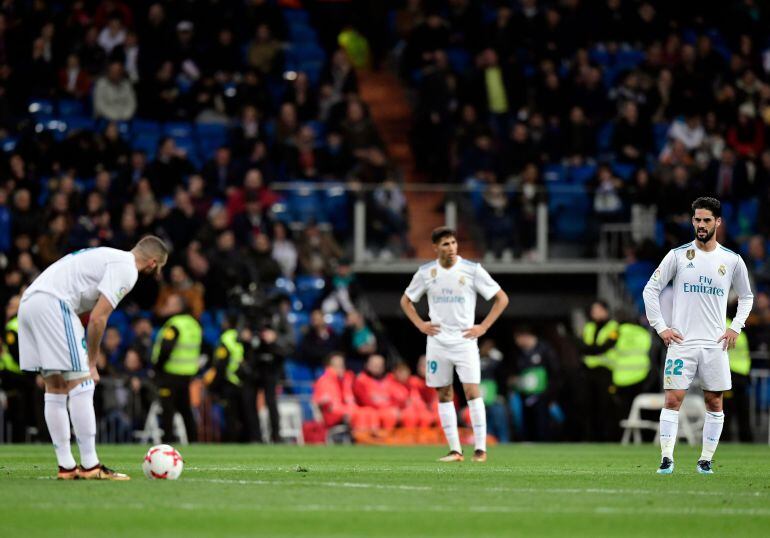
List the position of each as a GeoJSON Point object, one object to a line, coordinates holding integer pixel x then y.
{"type": "Point", "coordinates": [52, 340]}
{"type": "Point", "coordinates": [698, 339]}
{"type": "Point", "coordinates": [451, 284]}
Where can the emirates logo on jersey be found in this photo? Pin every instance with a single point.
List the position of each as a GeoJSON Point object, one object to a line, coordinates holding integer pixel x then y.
{"type": "Point", "coordinates": [722, 270]}
{"type": "Point", "coordinates": [690, 254]}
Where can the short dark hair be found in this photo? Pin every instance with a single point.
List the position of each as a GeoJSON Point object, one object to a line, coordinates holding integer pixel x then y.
{"type": "Point", "coordinates": [706, 202]}
{"type": "Point", "coordinates": [440, 233]}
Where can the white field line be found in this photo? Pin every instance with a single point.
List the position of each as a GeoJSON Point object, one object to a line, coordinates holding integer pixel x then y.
{"type": "Point", "coordinates": [442, 488]}
{"type": "Point", "coordinates": [399, 509]}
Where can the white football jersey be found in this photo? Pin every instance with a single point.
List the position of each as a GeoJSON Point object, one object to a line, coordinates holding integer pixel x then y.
{"type": "Point", "coordinates": [452, 295]}
{"type": "Point", "coordinates": [80, 277]}
{"type": "Point", "coordinates": [702, 282]}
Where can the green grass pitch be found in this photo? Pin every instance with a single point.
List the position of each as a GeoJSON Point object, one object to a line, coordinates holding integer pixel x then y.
{"type": "Point", "coordinates": [523, 490]}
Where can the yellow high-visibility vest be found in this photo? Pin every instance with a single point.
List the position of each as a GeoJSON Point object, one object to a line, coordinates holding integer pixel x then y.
{"type": "Point", "coordinates": [631, 356]}
{"type": "Point", "coordinates": [609, 331]}
{"type": "Point", "coordinates": [187, 350]}
{"type": "Point", "coordinates": [740, 358]}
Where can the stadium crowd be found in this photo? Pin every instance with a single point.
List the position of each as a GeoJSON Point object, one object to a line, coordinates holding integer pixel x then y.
{"type": "Point", "coordinates": [124, 118]}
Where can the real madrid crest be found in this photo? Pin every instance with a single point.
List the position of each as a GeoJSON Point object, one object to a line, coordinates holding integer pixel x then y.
{"type": "Point", "coordinates": [690, 254]}
{"type": "Point", "coordinates": [433, 273]}
{"type": "Point", "coordinates": [722, 270]}
{"type": "Point", "coordinates": [462, 281]}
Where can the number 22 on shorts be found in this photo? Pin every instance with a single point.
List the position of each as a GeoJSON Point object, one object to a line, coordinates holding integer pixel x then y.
{"type": "Point", "coordinates": [678, 364]}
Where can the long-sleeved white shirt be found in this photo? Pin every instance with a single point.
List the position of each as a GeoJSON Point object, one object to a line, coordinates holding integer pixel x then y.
{"type": "Point", "coordinates": [702, 282]}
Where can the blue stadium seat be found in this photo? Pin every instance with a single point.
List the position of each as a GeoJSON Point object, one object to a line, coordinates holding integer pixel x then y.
{"type": "Point", "coordinates": [305, 204]}
{"type": "Point", "coordinates": [41, 107]}
{"type": "Point", "coordinates": [748, 211]}
{"type": "Point", "coordinates": [9, 143]}
{"type": "Point", "coordinates": [296, 16]}
{"type": "Point", "coordinates": [554, 173]}
{"type": "Point", "coordinates": [630, 57]}
{"type": "Point", "coordinates": [337, 208]}
{"type": "Point", "coordinates": [624, 171]}
{"type": "Point", "coordinates": [660, 135]}
{"type": "Point", "coordinates": [581, 175]}
{"type": "Point", "coordinates": [147, 141]}
{"type": "Point", "coordinates": [300, 377]}
{"type": "Point", "coordinates": [310, 289]}
{"type": "Point", "coordinates": [71, 107]}
{"type": "Point", "coordinates": [301, 33]}
{"type": "Point", "coordinates": [304, 52]}
{"type": "Point", "coordinates": [604, 137]}
{"type": "Point", "coordinates": [568, 207]}
{"type": "Point", "coordinates": [459, 59]}
{"type": "Point", "coordinates": [82, 123]}
{"type": "Point", "coordinates": [336, 321]}
{"type": "Point", "coordinates": [141, 126]}
{"type": "Point", "coordinates": [178, 129]}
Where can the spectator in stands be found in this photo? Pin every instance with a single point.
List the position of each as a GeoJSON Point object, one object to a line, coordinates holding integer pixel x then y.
{"type": "Point", "coordinates": [261, 259]}
{"type": "Point", "coordinates": [316, 250]}
{"type": "Point", "coordinates": [318, 341]}
{"type": "Point", "coordinates": [757, 263]}
{"type": "Point", "coordinates": [632, 138]}
{"type": "Point", "coordinates": [114, 97]}
{"type": "Point", "coordinates": [359, 340]}
{"type": "Point", "coordinates": [53, 243]}
{"type": "Point", "coordinates": [166, 172]}
{"type": "Point", "coordinates": [141, 390]}
{"type": "Point", "coordinates": [284, 251]}
{"type": "Point", "coordinates": [74, 81]}
{"type": "Point", "coordinates": [220, 173]}
{"type": "Point", "coordinates": [113, 346]}
{"type": "Point", "coordinates": [181, 284]}
{"type": "Point", "coordinates": [371, 391]}
{"type": "Point", "coordinates": [264, 53]}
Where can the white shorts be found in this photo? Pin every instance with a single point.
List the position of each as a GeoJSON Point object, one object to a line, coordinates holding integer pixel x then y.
{"type": "Point", "coordinates": [710, 365]}
{"type": "Point", "coordinates": [442, 360]}
{"type": "Point", "coordinates": [51, 337]}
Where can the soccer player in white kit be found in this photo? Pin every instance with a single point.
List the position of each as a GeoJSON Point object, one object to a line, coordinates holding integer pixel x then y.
{"type": "Point", "coordinates": [697, 338]}
{"type": "Point", "coordinates": [52, 340]}
{"type": "Point", "coordinates": [451, 284]}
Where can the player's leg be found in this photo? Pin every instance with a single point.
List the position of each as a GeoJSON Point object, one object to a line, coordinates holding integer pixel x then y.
{"type": "Point", "coordinates": [712, 429]}
{"type": "Point", "coordinates": [678, 372]}
{"type": "Point", "coordinates": [438, 375]}
{"type": "Point", "coordinates": [714, 370]}
{"type": "Point", "coordinates": [448, 417]}
{"type": "Point", "coordinates": [468, 368]}
{"type": "Point", "coordinates": [57, 420]}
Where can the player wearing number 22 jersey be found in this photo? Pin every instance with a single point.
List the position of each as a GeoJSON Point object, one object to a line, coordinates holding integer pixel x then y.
{"type": "Point", "coordinates": [451, 285]}
{"type": "Point", "coordinates": [703, 272]}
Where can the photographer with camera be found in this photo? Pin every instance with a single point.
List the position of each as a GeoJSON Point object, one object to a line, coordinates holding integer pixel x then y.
{"type": "Point", "coordinates": [251, 357]}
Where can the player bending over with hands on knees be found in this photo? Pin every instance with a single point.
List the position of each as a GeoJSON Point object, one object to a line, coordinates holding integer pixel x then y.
{"type": "Point", "coordinates": [696, 335]}
{"type": "Point", "coordinates": [451, 284]}
{"type": "Point", "coordinates": [52, 340]}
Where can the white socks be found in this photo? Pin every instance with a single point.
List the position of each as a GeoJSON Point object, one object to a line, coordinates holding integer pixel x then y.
{"type": "Point", "coordinates": [84, 422]}
{"type": "Point", "coordinates": [669, 425]}
{"type": "Point", "coordinates": [58, 422]}
{"type": "Point", "coordinates": [448, 416]}
{"type": "Point", "coordinates": [712, 429]}
{"type": "Point", "coordinates": [479, 422]}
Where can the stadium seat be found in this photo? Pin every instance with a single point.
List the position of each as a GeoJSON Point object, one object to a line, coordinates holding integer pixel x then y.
{"type": "Point", "coordinates": [178, 129]}
{"type": "Point", "coordinates": [299, 376]}
{"type": "Point", "coordinates": [305, 204]}
{"type": "Point", "coordinates": [71, 107]}
{"type": "Point", "coordinates": [337, 207]}
{"type": "Point", "coordinates": [142, 126]}
{"type": "Point", "coordinates": [624, 171]}
{"type": "Point", "coordinates": [554, 173]}
{"type": "Point", "coordinates": [604, 137]}
{"type": "Point", "coordinates": [460, 59]}
{"type": "Point", "coordinates": [301, 33]}
{"type": "Point", "coordinates": [79, 123]}
{"type": "Point", "coordinates": [580, 175]}
{"type": "Point", "coordinates": [296, 16]}
{"type": "Point", "coordinates": [310, 289]}
{"type": "Point", "coordinates": [41, 107]}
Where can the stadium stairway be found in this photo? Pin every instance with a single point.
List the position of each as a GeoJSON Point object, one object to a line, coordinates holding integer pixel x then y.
{"type": "Point", "coordinates": [386, 97]}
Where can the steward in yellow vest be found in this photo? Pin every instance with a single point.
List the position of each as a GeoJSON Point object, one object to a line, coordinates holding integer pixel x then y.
{"type": "Point", "coordinates": [19, 386]}
{"type": "Point", "coordinates": [736, 401]}
{"type": "Point", "coordinates": [176, 358]}
{"type": "Point", "coordinates": [600, 335]}
{"type": "Point", "coordinates": [630, 361]}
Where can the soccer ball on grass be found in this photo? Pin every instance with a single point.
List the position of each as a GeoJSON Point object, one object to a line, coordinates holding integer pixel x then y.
{"type": "Point", "coordinates": [162, 462]}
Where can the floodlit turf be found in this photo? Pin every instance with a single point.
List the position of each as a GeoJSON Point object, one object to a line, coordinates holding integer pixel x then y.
{"type": "Point", "coordinates": [524, 490]}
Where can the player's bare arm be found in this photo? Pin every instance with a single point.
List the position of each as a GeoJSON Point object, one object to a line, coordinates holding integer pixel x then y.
{"type": "Point", "coordinates": [425, 327]}
{"type": "Point", "coordinates": [97, 323]}
{"type": "Point", "coordinates": [501, 302]}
